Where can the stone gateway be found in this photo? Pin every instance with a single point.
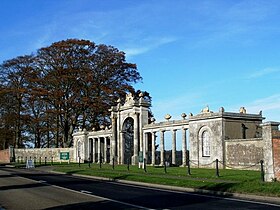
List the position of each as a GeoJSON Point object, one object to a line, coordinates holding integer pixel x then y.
{"type": "Point", "coordinates": [237, 140]}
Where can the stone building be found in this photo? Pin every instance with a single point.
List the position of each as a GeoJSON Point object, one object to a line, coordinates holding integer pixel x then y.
{"type": "Point", "coordinates": [237, 140]}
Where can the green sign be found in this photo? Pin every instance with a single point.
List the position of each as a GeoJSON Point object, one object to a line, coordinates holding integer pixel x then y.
{"type": "Point", "coordinates": [141, 157]}
{"type": "Point", "coordinates": [64, 155]}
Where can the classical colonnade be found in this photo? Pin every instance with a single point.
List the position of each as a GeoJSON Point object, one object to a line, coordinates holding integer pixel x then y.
{"type": "Point", "coordinates": [98, 149]}
{"type": "Point", "coordinates": [102, 148]}
{"type": "Point", "coordinates": [162, 144]}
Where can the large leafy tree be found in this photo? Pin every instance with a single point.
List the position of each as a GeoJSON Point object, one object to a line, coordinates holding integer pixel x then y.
{"type": "Point", "coordinates": [14, 92]}
{"type": "Point", "coordinates": [82, 81]}
{"type": "Point", "coordinates": [69, 84]}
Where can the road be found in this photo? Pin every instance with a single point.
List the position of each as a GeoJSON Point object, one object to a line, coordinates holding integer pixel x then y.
{"type": "Point", "coordinates": [32, 189]}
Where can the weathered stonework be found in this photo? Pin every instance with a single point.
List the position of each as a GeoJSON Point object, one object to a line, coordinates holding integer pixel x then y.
{"type": "Point", "coordinates": [242, 153]}
{"type": "Point", "coordinates": [276, 153]}
{"type": "Point", "coordinates": [52, 154]}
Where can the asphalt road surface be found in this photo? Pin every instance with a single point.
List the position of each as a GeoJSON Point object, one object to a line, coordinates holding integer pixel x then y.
{"type": "Point", "coordinates": [32, 189]}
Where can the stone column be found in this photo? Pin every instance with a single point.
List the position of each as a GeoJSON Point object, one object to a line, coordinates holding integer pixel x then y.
{"type": "Point", "coordinates": [184, 147]}
{"type": "Point", "coordinates": [89, 148]}
{"type": "Point", "coordinates": [153, 148]}
{"type": "Point", "coordinates": [113, 141]}
{"type": "Point", "coordinates": [93, 150]}
{"type": "Point", "coordinates": [98, 150]}
{"type": "Point", "coordinates": [145, 146]}
{"type": "Point", "coordinates": [162, 159]}
{"type": "Point", "coordinates": [141, 133]}
{"type": "Point", "coordinates": [105, 150]}
{"type": "Point", "coordinates": [122, 148]}
{"type": "Point", "coordinates": [135, 135]}
{"type": "Point", "coordinates": [174, 146]}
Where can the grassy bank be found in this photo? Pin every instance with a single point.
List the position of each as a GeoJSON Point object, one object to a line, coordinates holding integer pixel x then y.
{"type": "Point", "coordinates": [232, 181]}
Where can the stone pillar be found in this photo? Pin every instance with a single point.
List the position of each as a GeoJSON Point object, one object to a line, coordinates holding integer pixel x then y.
{"type": "Point", "coordinates": [98, 150]}
{"type": "Point", "coordinates": [89, 148]}
{"type": "Point", "coordinates": [93, 150]}
{"type": "Point", "coordinates": [145, 146]}
{"type": "Point", "coordinates": [135, 135]}
{"type": "Point", "coordinates": [184, 147]}
{"type": "Point", "coordinates": [141, 133]}
{"type": "Point", "coordinates": [153, 148]}
{"type": "Point", "coordinates": [162, 159]}
{"type": "Point", "coordinates": [113, 141]}
{"type": "Point", "coordinates": [122, 148]}
{"type": "Point", "coordinates": [268, 151]}
{"type": "Point", "coordinates": [105, 150]}
{"type": "Point", "coordinates": [174, 146]}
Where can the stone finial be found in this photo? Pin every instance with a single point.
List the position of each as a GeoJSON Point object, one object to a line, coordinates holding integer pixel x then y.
{"type": "Point", "coordinates": [153, 120]}
{"type": "Point", "coordinates": [183, 115]}
{"type": "Point", "coordinates": [93, 129]}
{"type": "Point", "coordinates": [141, 94]}
{"type": "Point", "coordinates": [260, 113]}
{"type": "Point", "coordinates": [80, 129]}
{"type": "Point", "coordinates": [242, 110]}
{"type": "Point", "coordinates": [102, 127]}
{"type": "Point", "coordinates": [191, 114]}
{"type": "Point", "coordinates": [167, 117]}
{"type": "Point", "coordinates": [205, 110]}
{"type": "Point", "coordinates": [129, 97]}
{"type": "Point", "coordinates": [222, 109]}
{"type": "Point", "coordinates": [119, 100]}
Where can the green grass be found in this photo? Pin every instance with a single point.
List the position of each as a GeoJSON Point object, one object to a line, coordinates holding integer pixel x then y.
{"type": "Point", "coordinates": [231, 181]}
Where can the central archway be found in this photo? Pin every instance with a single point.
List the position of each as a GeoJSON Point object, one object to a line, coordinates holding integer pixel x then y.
{"type": "Point", "coordinates": [128, 135]}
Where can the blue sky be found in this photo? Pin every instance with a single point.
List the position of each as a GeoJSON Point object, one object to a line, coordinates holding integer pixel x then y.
{"type": "Point", "coordinates": [189, 53]}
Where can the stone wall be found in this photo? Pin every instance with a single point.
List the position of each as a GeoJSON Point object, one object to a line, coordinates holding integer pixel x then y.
{"type": "Point", "coordinates": [233, 129]}
{"type": "Point", "coordinates": [196, 127]}
{"type": "Point", "coordinates": [243, 153]}
{"type": "Point", "coordinates": [50, 153]}
{"type": "Point", "coordinates": [276, 153]}
{"type": "Point", "coordinates": [5, 156]}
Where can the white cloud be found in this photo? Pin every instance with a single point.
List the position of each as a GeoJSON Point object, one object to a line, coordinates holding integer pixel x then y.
{"type": "Point", "coordinates": [147, 45]}
{"type": "Point", "coordinates": [270, 106]}
{"type": "Point", "coordinates": [263, 72]}
{"type": "Point", "coordinates": [266, 104]}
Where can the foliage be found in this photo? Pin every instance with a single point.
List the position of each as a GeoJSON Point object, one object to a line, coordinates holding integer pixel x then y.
{"type": "Point", "coordinates": [69, 84]}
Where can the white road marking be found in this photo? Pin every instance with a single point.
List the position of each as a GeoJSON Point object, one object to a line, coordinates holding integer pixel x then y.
{"type": "Point", "coordinates": [87, 192]}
